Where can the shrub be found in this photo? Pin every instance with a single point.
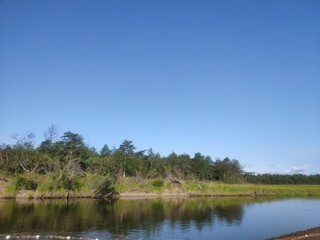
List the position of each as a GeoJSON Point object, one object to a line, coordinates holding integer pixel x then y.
{"type": "Point", "coordinates": [158, 182]}
{"type": "Point", "coordinates": [60, 181]}
{"type": "Point", "coordinates": [103, 185]}
{"type": "Point", "coordinates": [23, 183]}
{"type": "Point", "coordinates": [20, 183]}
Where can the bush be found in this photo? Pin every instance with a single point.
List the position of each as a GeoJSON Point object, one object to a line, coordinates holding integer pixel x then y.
{"type": "Point", "coordinates": [51, 183]}
{"type": "Point", "coordinates": [23, 183]}
{"type": "Point", "coordinates": [103, 185]}
{"type": "Point", "coordinates": [71, 183]}
{"type": "Point", "coordinates": [20, 183]}
{"type": "Point", "coordinates": [60, 181]}
{"type": "Point", "coordinates": [158, 182]}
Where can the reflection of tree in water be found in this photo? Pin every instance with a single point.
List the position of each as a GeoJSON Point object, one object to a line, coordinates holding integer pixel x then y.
{"type": "Point", "coordinates": [119, 217]}
{"type": "Point", "coordinates": [46, 216]}
{"type": "Point", "coordinates": [230, 214]}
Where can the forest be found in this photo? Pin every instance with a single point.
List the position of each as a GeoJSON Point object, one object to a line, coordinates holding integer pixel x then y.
{"type": "Point", "coordinates": [68, 159]}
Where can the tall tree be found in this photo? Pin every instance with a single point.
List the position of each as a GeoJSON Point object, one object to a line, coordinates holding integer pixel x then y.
{"type": "Point", "coordinates": [105, 151]}
{"type": "Point", "coordinates": [125, 153]}
{"type": "Point", "coordinates": [227, 170]}
{"type": "Point", "coordinates": [51, 134]}
{"type": "Point", "coordinates": [24, 149]}
{"type": "Point", "coordinates": [49, 137]}
{"type": "Point", "coordinates": [127, 148]}
{"type": "Point", "coordinates": [73, 144]}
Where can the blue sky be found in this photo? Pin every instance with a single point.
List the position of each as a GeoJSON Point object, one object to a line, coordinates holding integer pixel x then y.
{"type": "Point", "coordinates": [224, 78]}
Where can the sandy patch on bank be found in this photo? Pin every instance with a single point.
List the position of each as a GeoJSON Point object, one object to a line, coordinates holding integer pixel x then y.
{"type": "Point", "coordinates": [310, 234]}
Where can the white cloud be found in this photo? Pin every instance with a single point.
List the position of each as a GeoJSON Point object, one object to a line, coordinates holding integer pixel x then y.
{"type": "Point", "coordinates": [297, 169]}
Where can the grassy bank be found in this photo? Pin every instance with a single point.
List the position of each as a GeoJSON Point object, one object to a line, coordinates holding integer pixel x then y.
{"type": "Point", "coordinates": [206, 188]}
{"type": "Point", "coordinates": [39, 186]}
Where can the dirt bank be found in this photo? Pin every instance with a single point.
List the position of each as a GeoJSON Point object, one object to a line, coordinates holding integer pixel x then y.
{"type": "Point", "coordinates": [310, 234]}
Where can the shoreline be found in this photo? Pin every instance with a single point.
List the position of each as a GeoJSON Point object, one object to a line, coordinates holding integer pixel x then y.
{"type": "Point", "coordinates": [309, 234]}
{"type": "Point", "coordinates": [33, 195]}
{"type": "Point", "coordinates": [130, 187]}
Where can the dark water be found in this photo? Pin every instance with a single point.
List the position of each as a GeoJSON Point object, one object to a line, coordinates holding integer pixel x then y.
{"type": "Point", "coordinates": [192, 218]}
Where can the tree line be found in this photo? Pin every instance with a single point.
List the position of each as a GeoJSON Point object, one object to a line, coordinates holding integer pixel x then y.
{"type": "Point", "coordinates": [70, 158]}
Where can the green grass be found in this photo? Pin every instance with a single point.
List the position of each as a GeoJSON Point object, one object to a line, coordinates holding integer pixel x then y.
{"type": "Point", "coordinates": [46, 184]}
{"type": "Point", "coordinates": [135, 184]}
{"type": "Point", "coordinates": [193, 187]}
{"type": "Point", "coordinates": [10, 190]}
{"type": "Point", "coordinates": [213, 188]}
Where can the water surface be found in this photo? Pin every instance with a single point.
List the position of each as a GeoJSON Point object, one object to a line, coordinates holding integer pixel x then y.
{"type": "Point", "coordinates": [180, 218]}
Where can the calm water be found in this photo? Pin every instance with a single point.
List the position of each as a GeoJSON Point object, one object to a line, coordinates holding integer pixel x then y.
{"type": "Point", "coordinates": [193, 218]}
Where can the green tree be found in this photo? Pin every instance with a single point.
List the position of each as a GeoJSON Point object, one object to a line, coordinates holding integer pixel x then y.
{"type": "Point", "coordinates": [202, 166]}
{"type": "Point", "coordinates": [228, 170]}
{"type": "Point", "coordinates": [180, 165]}
{"type": "Point", "coordinates": [155, 166]}
{"type": "Point", "coordinates": [127, 148]}
{"type": "Point", "coordinates": [124, 157]}
{"type": "Point", "coordinates": [73, 144]}
{"type": "Point", "coordinates": [105, 151]}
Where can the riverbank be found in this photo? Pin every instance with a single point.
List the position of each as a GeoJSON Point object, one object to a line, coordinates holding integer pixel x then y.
{"type": "Point", "coordinates": [129, 187]}
{"type": "Point", "coordinates": [310, 234]}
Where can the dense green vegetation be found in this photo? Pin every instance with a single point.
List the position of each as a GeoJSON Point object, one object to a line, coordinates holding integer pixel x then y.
{"type": "Point", "coordinates": [69, 164]}
{"type": "Point", "coordinates": [282, 179]}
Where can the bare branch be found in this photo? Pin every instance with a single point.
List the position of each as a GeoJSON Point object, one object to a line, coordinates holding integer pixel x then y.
{"type": "Point", "coordinates": [51, 134]}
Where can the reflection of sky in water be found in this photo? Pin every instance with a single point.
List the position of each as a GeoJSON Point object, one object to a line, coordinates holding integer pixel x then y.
{"type": "Point", "coordinates": [222, 218]}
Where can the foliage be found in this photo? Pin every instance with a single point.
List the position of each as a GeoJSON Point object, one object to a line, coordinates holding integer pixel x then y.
{"type": "Point", "coordinates": [282, 179]}
{"type": "Point", "coordinates": [157, 182]}
{"type": "Point", "coordinates": [21, 183]}
{"type": "Point", "coordinates": [61, 181]}
{"type": "Point", "coordinates": [65, 162]}
{"type": "Point", "coordinates": [24, 183]}
{"type": "Point", "coordinates": [103, 185]}
{"type": "Point", "coordinates": [105, 151]}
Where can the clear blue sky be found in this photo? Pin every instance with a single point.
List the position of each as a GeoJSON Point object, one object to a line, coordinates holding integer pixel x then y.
{"type": "Point", "coordinates": [224, 78]}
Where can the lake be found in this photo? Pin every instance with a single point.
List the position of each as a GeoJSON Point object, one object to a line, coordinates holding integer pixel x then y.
{"type": "Point", "coordinates": [172, 218]}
